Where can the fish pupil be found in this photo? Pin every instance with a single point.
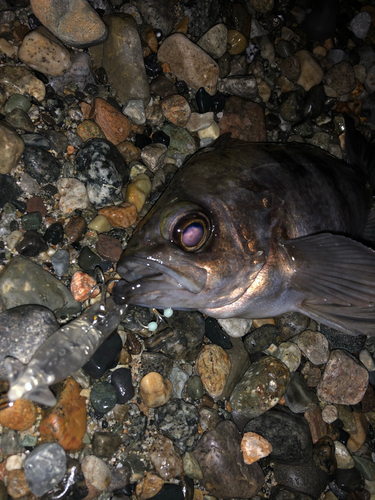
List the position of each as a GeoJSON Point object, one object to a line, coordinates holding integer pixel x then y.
{"type": "Point", "coordinates": [193, 234]}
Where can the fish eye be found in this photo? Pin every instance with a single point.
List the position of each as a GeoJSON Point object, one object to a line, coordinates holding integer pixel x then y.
{"type": "Point", "coordinates": [186, 226]}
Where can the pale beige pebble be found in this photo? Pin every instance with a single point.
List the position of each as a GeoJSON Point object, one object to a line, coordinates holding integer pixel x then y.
{"type": "Point", "coordinates": [213, 366]}
{"type": "Point", "coordinates": [8, 49]}
{"type": "Point", "coordinates": [290, 354]}
{"type": "Point", "coordinates": [199, 121]}
{"type": "Point", "coordinates": [254, 447]}
{"type": "Point", "coordinates": [14, 462]}
{"type": "Point", "coordinates": [155, 390]}
{"type": "Point", "coordinates": [189, 62]}
{"type": "Point", "coordinates": [138, 191]}
{"type": "Point", "coordinates": [329, 414]}
{"type": "Point", "coordinates": [73, 195]}
{"type": "Point", "coordinates": [12, 147]}
{"type": "Point", "coordinates": [149, 486]}
{"type": "Point", "coordinates": [264, 91]}
{"type": "Point", "coordinates": [370, 487]}
{"type": "Point", "coordinates": [96, 472]}
{"type": "Point", "coordinates": [357, 439]}
{"type": "Point", "coordinates": [235, 327]}
{"type": "Point", "coordinates": [367, 360]}
{"type": "Point", "coordinates": [214, 41]}
{"type": "Point", "coordinates": [211, 132]}
{"type": "Point", "coordinates": [100, 224]}
{"type": "Point", "coordinates": [265, 321]}
{"type": "Point", "coordinates": [13, 238]}
{"type": "Point", "coordinates": [19, 80]}
{"type": "Point", "coordinates": [42, 51]}
{"type": "Point", "coordinates": [153, 155]}
{"type": "Point", "coordinates": [343, 456]}
{"type": "Point", "coordinates": [311, 71]}
{"type": "Point", "coordinates": [319, 51]}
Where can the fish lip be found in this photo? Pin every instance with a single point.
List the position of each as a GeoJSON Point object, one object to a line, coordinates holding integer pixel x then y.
{"type": "Point", "coordinates": [145, 269]}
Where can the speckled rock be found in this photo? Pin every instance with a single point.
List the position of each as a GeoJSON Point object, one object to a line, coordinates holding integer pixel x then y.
{"type": "Point", "coordinates": [189, 62]}
{"type": "Point", "coordinates": [157, 13]}
{"type": "Point", "coordinates": [80, 73]}
{"type": "Point", "coordinates": [167, 462]}
{"type": "Point", "coordinates": [341, 78]}
{"type": "Point", "coordinates": [254, 447]}
{"type": "Point", "coordinates": [315, 346]}
{"type": "Point", "coordinates": [225, 474]}
{"type": "Point", "coordinates": [73, 195]}
{"type": "Point", "coordinates": [75, 23]}
{"type": "Point", "coordinates": [306, 478]}
{"type": "Point", "coordinates": [213, 366]}
{"type": "Point", "coordinates": [182, 144]}
{"type": "Point", "coordinates": [214, 41]}
{"type": "Point", "coordinates": [18, 80]}
{"type": "Point", "coordinates": [11, 147]}
{"type": "Point", "coordinates": [41, 165]}
{"type": "Point", "coordinates": [20, 416]}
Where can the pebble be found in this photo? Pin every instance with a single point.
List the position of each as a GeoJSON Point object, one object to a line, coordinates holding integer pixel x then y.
{"type": "Point", "coordinates": [17, 484]}
{"type": "Point", "coordinates": [314, 346]}
{"type": "Point", "coordinates": [16, 101]}
{"type": "Point", "coordinates": [254, 447]}
{"type": "Point", "coordinates": [76, 24]}
{"type": "Point", "coordinates": [182, 144]}
{"type": "Point", "coordinates": [60, 261]}
{"type": "Point", "coordinates": [100, 224]}
{"type": "Point", "coordinates": [290, 354]}
{"type": "Point", "coordinates": [109, 248]}
{"type": "Point", "coordinates": [81, 286]}
{"type": "Point", "coordinates": [11, 148]}
{"type": "Point", "coordinates": [105, 357]}
{"type": "Point", "coordinates": [32, 244]}
{"type": "Point", "coordinates": [18, 80]}
{"type": "Point", "coordinates": [158, 14]}
{"type": "Point", "coordinates": [105, 444]}
{"type": "Point", "coordinates": [122, 381]}
{"type": "Point", "coordinates": [235, 327]}
{"type": "Point", "coordinates": [75, 228]}
{"type": "Point", "coordinates": [360, 24]}
{"type": "Point", "coordinates": [41, 165]}
{"type": "Point", "coordinates": [244, 119]}
{"type": "Point", "coordinates": [241, 86]}
{"type": "Point", "coordinates": [123, 215]}
{"type": "Point", "coordinates": [311, 71]}
{"type": "Point", "coordinates": [153, 156]}
{"type": "Point", "coordinates": [213, 366]}
{"type": "Point", "coordinates": [189, 62]}
{"type": "Point", "coordinates": [41, 51]}
{"type": "Point", "coordinates": [114, 124]}
{"type": "Point", "coordinates": [214, 41]}
{"type": "Point", "coordinates": [44, 467]}
{"type": "Point", "coordinates": [73, 195]}
{"type": "Point", "coordinates": [341, 78]}
{"type": "Point", "coordinates": [176, 110]}
{"type": "Point", "coordinates": [134, 109]}
{"type": "Point", "coordinates": [19, 417]}
{"type": "Point", "coordinates": [299, 397]}
{"type": "Point", "coordinates": [306, 478]}
{"type": "Point", "coordinates": [138, 190]}
{"type": "Point", "coordinates": [80, 73]}
{"type": "Point", "coordinates": [155, 390]}
{"type": "Point", "coordinates": [103, 397]}
{"type": "Point", "coordinates": [344, 379]}
{"type": "Point", "coordinates": [96, 472]}
{"type": "Point", "coordinates": [166, 461]}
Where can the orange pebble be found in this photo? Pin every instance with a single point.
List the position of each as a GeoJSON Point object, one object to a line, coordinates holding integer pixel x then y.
{"type": "Point", "coordinates": [81, 285]}
{"type": "Point", "coordinates": [20, 416]}
{"type": "Point", "coordinates": [166, 67]}
{"type": "Point", "coordinates": [123, 215]}
{"type": "Point", "coordinates": [70, 149]}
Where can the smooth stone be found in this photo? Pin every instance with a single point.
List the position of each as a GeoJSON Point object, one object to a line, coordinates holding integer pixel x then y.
{"type": "Point", "coordinates": [44, 467]}
{"type": "Point", "coordinates": [341, 78]}
{"type": "Point", "coordinates": [11, 148]}
{"type": "Point", "coordinates": [261, 387]}
{"type": "Point", "coordinates": [299, 397]}
{"type": "Point", "coordinates": [244, 119]}
{"type": "Point", "coordinates": [11, 443]}
{"type": "Point", "coordinates": [291, 68]}
{"type": "Point", "coordinates": [348, 479]}
{"type": "Point", "coordinates": [182, 429]}
{"type": "Point", "coordinates": [121, 379]}
{"type": "Point", "coordinates": [121, 57]}
{"type": "Point", "coordinates": [191, 466]}
{"type": "Point", "coordinates": [36, 140]}
{"type": "Point", "coordinates": [60, 261]}
{"type": "Point", "coordinates": [155, 361]}
{"type": "Point", "coordinates": [241, 86]}
{"type": "Point", "coordinates": [158, 14]}
{"type": "Point", "coordinates": [96, 472]}
{"type": "Point", "coordinates": [88, 259]}
{"type": "Point", "coordinates": [18, 101]}
{"type": "Point", "coordinates": [23, 282]}
{"type": "Point", "coordinates": [214, 41]}
{"type": "Point", "coordinates": [340, 340]}
{"type": "Point", "coordinates": [75, 23]}
{"type": "Point", "coordinates": [239, 363]}
{"type": "Point", "coordinates": [360, 24]}
{"type": "Point", "coordinates": [307, 478]}
{"type": "Point", "coordinates": [166, 461]}
{"type": "Point", "coordinates": [21, 416]}
{"type": "Point", "coordinates": [225, 474]}
{"type": "Point", "coordinates": [103, 169]}
{"type": "Point", "coordinates": [216, 334]}
{"type": "Point", "coordinates": [105, 444]}
{"type": "Point", "coordinates": [103, 397]}
{"type": "Point", "coordinates": [105, 357]}
{"type": "Point", "coordinates": [195, 387]}
{"type": "Point", "coordinates": [18, 80]}
{"type": "Point", "coordinates": [281, 492]}
{"type": "Point", "coordinates": [291, 324]}
{"type": "Point", "coordinates": [20, 120]}
{"type": "Point", "coordinates": [291, 109]}
{"type": "Point", "coordinates": [290, 354]}
{"type": "Point", "coordinates": [80, 73]}
{"type": "Point", "coordinates": [9, 190]}
{"type": "Point", "coordinates": [155, 390]}
{"type": "Point", "coordinates": [31, 221]}
{"type": "Point", "coordinates": [288, 433]}
{"type": "Point", "coordinates": [123, 215]}
{"type": "Point", "coordinates": [178, 378]}
{"type": "Point", "coordinates": [314, 346]}
{"type": "Point", "coordinates": [81, 286]}
{"type": "Point", "coordinates": [153, 156]}
{"type": "Point", "coordinates": [176, 109]}
{"type": "Point", "coordinates": [254, 447]}
{"type": "Point", "coordinates": [343, 457]}
{"type": "Point", "coordinates": [32, 244]}
{"type": "Point", "coordinates": [54, 233]}
{"type": "Point", "coordinates": [114, 124]}
{"type": "Point", "coordinates": [189, 62]}
{"type": "Point", "coordinates": [213, 366]}
{"type": "Point", "coordinates": [73, 195]}
{"type": "Point", "coordinates": [138, 190]}
{"type": "Point", "coordinates": [41, 51]}
{"type": "Point", "coordinates": [235, 327]}
{"type": "Point", "coordinates": [23, 330]}
{"type": "Point", "coordinates": [260, 339]}
{"type": "Point", "coordinates": [367, 360]}
{"type": "Point", "coordinates": [311, 71]}
{"type": "Point", "coordinates": [73, 483]}
{"type": "Point", "coordinates": [41, 165]}
{"type": "Point", "coordinates": [13, 239]}
{"type": "Point", "coordinates": [208, 418]}
{"type": "Point", "coordinates": [134, 109]}
{"type": "Point", "coordinates": [58, 140]}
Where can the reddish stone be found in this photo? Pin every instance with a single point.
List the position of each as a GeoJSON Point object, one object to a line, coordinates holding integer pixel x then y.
{"type": "Point", "coordinates": [318, 427]}
{"type": "Point", "coordinates": [20, 416]}
{"type": "Point", "coordinates": [81, 286]}
{"type": "Point", "coordinates": [114, 124]}
{"type": "Point", "coordinates": [35, 204]}
{"type": "Point", "coordinates": [17, 486]}
{"type": "Point", "coordinates": [109, 248]}
{"type": "Point", "coordinates": [244, 120]}
{"type": "Point", "coordinates": [176, 110]}
{"type": "Point", "coordinates": [75, 228]}
{"type": "Point", "coordinates": [123, 215]}
{"type": "Point", "coordinates": [65, 423]}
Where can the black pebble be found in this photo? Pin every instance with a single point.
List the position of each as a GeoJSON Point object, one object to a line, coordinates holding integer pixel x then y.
{"type": "Point", "coordinates": [181, 86]}
{"type": "Point", "coordinates": [142, 140]}
{"type": "Point", "coordinates": [105, 357]}
{"type": "Point", "coordinates": [87, 259]}
{"type": "Point", "coordinates": [33, 21]}
{"type": "Point", "coordinates": [349, 479]}
{"type": "Point", "coordinates": [216, 334]}
{"type": "Point", "coordinates": [153, 68]}
{"type": "Point", "coordinates": [32, 244]}
{"type": "Point", "coordinates": [272, 121]}
{"type": "Point", "coordinates": [169, 492]}
{"type": "Point", "coordinates": [8, 190]}
{"type": "Point", "coordinates": [41, 165]}
{"type": "Point", "coordinates": [54, 233]}
{"type": "Point", "coordinates": [320, 24]}
{"type": "Point", "coordinates": [14, 226]}
{"type": "Point", "coordinates": [218, 102]}
{"type": "Point", "coordinates": [91, 89]}
{"type": "Point", "coordinates": [121, 379]}
{"type": "Point", "coordinates": [161, 137]}
{"type": "Point", "coordinates": [203, 100]}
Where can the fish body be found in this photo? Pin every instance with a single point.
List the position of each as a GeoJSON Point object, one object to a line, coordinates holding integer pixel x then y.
{"type": "Point", "coordinates": [252, 230]}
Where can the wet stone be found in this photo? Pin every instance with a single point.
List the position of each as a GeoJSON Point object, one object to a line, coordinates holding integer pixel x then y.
{"type": "Point", "coordinates": [41, 165]}
{"type": "Point", "coordinates": [153, 156]}
{"type": "Point", "coordinates": [32, 244]}
{"type": "Point", "coordinates": [114, 124]}
{"type": "Point", "coordinates": [20, 416]}
{"type": "Point", "coordinates": [109, 248]}
{"type": "Point", "coordinates": [348, 479]}
{"type": "Point", "coordinates": [241, 86]}
{"type": "Point", "coordinates": [216, 334]}
{"type": "Point", "coordinates": [20, 120]}
{"type": "Point", "coordinates": [166, 461]}
{"type": "Point", "coordinates": [299, 397]}
{"type": "Point", "coordinates": [60, 261]}
{"type": "Point", "coordinates": [11, 443]}
{"type": "Point", "coordinates": [360, 24]}
{"type": "Point", "coordinates": [156, 362]}
{"type": "Point", "coordinates": [195, 387]}
{"type": "Point", "coordinates": [121, 379]}
{"type": "Point", "coordinates": [58, 140]}
{"type": "Point", "coordinates": [283, 492]}
{"type": "Point", "coordinates": [18, 80]}
{"type": "Point", "coordinates": [324, 455]}
{"type": "Point", "coordinates": [23, 329]}
{"type": "Point", "coordinates": [225, 474]}
{"type": "Point", "coordinates": [31, 221]}
{"type": "Point", "coordinates": [17, 484]}
{"type": "Point", "coordinates": [176, 110]}
{"type": "Point", "coordinates": [178, 421]}
{"type": "Point", "coordinates": [73, 483]}
{"type": "Point", "coordinates": [36, 140]}
{"type": "Point", "coordinates": [80, 73]}
{"type": "Point", "coordinates": [291, 324]}
{"type": "Point", "coordinates": [134, 109]}
{"type": "Point", "coordinates": [44, 467]}
{"type": "Point", "coordinates": [155, 390]}
{"type": "Point", "coordinates": [105, 357]}
{"type": "Point", "coordinates": [311, 71]}
{"type": "Point", "coordinates": [306, 478]}
{"type": "Point", "coordinates": [54, 233]}
{"type": "Point", "coordinates": [213, 366]}
{"type": "Point", "coordinates": [87, 259]}
{"type": "Point", "coordinates": [11, 147]}
{"type": "Point", "coordinates": [73, 195]}
{"type": "Point", "coordinates": [314, 346]}
{"type": "Point", "coordinates": [214, 41]}
{"type": "Point", "coordinates": [18, 101]}
{"type": "Point", "coordinates": [105, 444]}
{"type": "Point", "coordinates": [136, 429]}
{"type": "Point", "coordinates": [75, 228]}
{"type": "Point", "coordinates": [260, 339]}
{"type": "Point", "coordinates": [103, 397]}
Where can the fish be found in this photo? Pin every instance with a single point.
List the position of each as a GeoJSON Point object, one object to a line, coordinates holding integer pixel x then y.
{"type": "Point", "coordinates": [256, 230]}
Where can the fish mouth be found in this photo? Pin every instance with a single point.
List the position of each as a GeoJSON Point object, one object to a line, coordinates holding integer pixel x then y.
{"type": "Point", "coordinates": [152, 284]}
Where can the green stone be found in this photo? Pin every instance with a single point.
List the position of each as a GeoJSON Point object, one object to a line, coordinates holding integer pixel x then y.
{"type": "Point", "coordinates": [29, 441]}
{"type": "Point", "coordinates": [191, 466]}
{"type": "Point", "coordinates": [195, 387]}
{"type": "Point", "coordinates": [103, 397]}
{"type": "Point", "coordinates": [9, 208]}
{"type": "Point", "coordinates": [87, 259]}
{"type": "Point", "coordinates": [182, 144]}
{"type": "Point", "coordinates": [17, 101]}
{"type": "Point", "coordinates": [31, 221]}
{"type": "Point", "coordinates": [365, 467]}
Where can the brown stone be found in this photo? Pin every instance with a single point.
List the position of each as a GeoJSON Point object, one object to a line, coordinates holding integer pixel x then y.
{"type": "Point", "coordinates": [129, 151]}
{"type": "Point", "coordinates": [81, 286]}
{"type": "Point", "coordinates": [115, 126]}
{"type": "Point", "coordinates": [17, 485]}
{"type": "Point", "coordinates": [88, 129]}
{"type": "Point", "coordinates": [149, 37]}
{"type": "Point", "coordinates": [155, 390]}
{"type": "Point", "coordinates": [176, 110]}
{"type": "Point", "coordinates": [318, 427]}
{"type": "Point", "coordinates": [244, 120]}
{"type": "Point", "coordinates": [150, 485]}
{"type": "Point", "coordinates": [19, 33]}
{"type": "Point", "coordinates": [132, 343]}
{"type": "Point", "coordinates": [182, 26]}
{"type": "Point", "coordinates": [75, 229]}
{"type": "Point", "coordinates": [66, 422]}
{"type": "Point", "coordinates": [213, 366]}
{"type": "Point", "coordinates": [19, 417]}
{"type": "Point", "coordinates": [86, 109]}
{"type": "Point", "coordinates": [109, 248]}
{"type": "Point", "coordinates": [123, 215]}
{"type": "Point", "coordinates": [166, 461]}
{"type": "Point", "coordinates": [35, 204]}
{"type": "Point", "coordinates": [368, 400]}
{"type": "Point", "coordinates": [357, 439]}
{"type": "Point", "coordinates": [341, 78]}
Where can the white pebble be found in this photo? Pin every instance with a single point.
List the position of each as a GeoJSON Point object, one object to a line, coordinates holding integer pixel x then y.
{"type": "Point", "coordinates": [168, 312]}
{"type": "Point", "coordinates": [152, 326]}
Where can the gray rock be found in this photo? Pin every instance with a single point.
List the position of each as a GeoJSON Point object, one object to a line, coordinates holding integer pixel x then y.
{"type": "Point", "coordinates": [214, 41]}
{"type": "Point", "coordinates": [11, 148]}
{"type": "Point", "coordinates": [220, 459]}
{"type": "Point", "coordinates": [239, 363]}
{"type": "Point", "coordinates": [157, 13]}
{"type": "Point", "coordinates": [80, 73]}
{"type": "Point", "coordinates": [299, 398]}
{"type": "Point", "coordinates": [203, 14]}
{"type": "Point", "coordinates": [41, 165]}
{"type": "Point", "coordinates": [60, 261]}
{"type": "Point", "coordinates": [360, 24]}
{"type": "Point", "coordinates": [182, 144]}
{"type": "Point", "coordinates": [242, 86]}
{"type": "Point", "coordinates": [45, 467]}
{"type": "Point", "coordinates": [23, 282]}
{"type": "Point", "coordinates": [307, 478]}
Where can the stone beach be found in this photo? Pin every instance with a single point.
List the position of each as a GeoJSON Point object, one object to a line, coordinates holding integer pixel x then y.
{"type": "Point", "coordinates": [101, 102]}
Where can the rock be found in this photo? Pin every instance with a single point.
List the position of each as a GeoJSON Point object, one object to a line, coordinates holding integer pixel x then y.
{"type": "Point", "coordinates": [105, 444]}
{"type": "Point", "coordinates": [75, 23]}
{"type": "Point", "coordinates": [123, 215]}
{"type": "Point", "coordinates": [134, 109]}
{"type": "Point", "coordinates": [244, 119]}
{"type": "Point", "coordinates": [225, 474]}
{"type": "Point", "coordinates": [298, 397]}
{"type": "Point", "coordinates": [18, 80]}
{"type": "Point", "coordinates": [35, 204]}
{"type": "Point", "coordinates": [73, 483]}
{"type": "Point", "coordinates": [324, 455]}
{"type": "Point", "coordinates": [41, 51]}
{"type": "Point", "coordinates": [24, 282]}
{"type": "Point", "coordinates": [167, 463]}
{"type": "Point", "coordinates": [11, 148]}
{"type": "Point", "coordinates": [214, 41]}
{"type": "Point", "coordinates": [288, 433]}
{"type": "Point", "coordinates": [290, 354]}
{"type": "Point", "coordinates": [213, 366]}
{"type": "Point", "coordinates": [241, 86]}
{"type": "Point", "coordinates": [81, 286]}
{"type": "Point", "coordinates": [282, 492]}
{"type": "Point", "coordinates": [149, 486]}
{"type": "Point", "coordinates": [20, 120]}
{"type": "Point", "coordinates": [201, 15]}
{"type": "Point", "coordinates": [100, 224]}
{"type": "Point", "coordinates": [104, 358]}
{"type": "Point", "coordinates": [75, 229]}
{"type": "Point", "coordinates": [17, 484]}
{"type": "Point", "coordinates": [182, 144]}
{"type": "Point", "coordinates": [60, 261]}
{"type": "Point", "coordinates": [311, 71]}
{"type": "Point", "coordinates": [254, 447]}
{"type": "Point", "coordinates": [189, 62]}
{"type": "Point", "coordinates": [73, 195]}
{"type": "Point", "coordinates": [41, 165]}
{"type": "Point", "coordinates": [291, 324]}
{"type": "Point", "coordinates": [261, 388]}
{"type": "Point", "coordinates": [260, 339]}
{"type": "Point", "coordinates": [291, 68]}
{"type": "Point", "coordinates": [103, 397]}
{"type": "Point", "coordinates": [291, 109]}
{"type": "Point", "coordinates": [199, 121]}
{"type": "Point", "coordinates": [32, 244]}
{"type": "Point", "coordinates": [115, 125]}
{"type": "Point", "coordinates": [121, 57]}
{"type": "Point", "coordinates": [121, 379]}
{"type": "Point", "coordinates": [65, 423]}
{"type": "Point", "coordinates": [314, 346]}
{"type": "Point", "coordinates": [153, 156]}
{"type": "Point", "coordinates": [317, 425]}
{"type": "Point", "coordinates": [88, 259]}
{"type": "Point", "coordinates": [96, 472]}
{"type": "Point", "coordinates": [343, 456]}
{"type": "Point", "coordinates": [341, 78]}
{"type": "Point", "coordinates": [344, 379]}
{"type": "Point", "coordinates": [17, 101]}
{"type": "Point", "coordinates": [360, 24]}
{"type": "Point", "coordinates": [176, 110]}
{"type": "Point", "coordinates": [138, 191]}
{"type": "Point", "coordinates": [20, 416]}
{"type": "Point", "coordinates": [340, 340]}
{"type": "Point", "coordinates": [109, 248]}
{"type": "Point", "coordinates": [88, 129]}
{"type": "Point", "coordinates": [306, 478]}
{"type": "Point", "coordinates": [100, 165]}
{"type": "Point", "coordinates": [44, 467]}
{"type": "Point", "coordinates": [155, 390]}
{"type": "Point", "coordinates": [157, 13]}
{"type": "Point", "coordinates": [80, 73]}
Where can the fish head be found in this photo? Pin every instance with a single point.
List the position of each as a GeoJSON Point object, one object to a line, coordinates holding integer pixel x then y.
{"type": "Point", "coordinates": [203, 243]}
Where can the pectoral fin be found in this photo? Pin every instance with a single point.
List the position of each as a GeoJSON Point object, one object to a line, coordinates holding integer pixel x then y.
{"type": "Point", "coordinates": [337, 275]}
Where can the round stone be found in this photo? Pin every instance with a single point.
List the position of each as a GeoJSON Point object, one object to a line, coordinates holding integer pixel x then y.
{"type": "Point", "coordinates": [103, 397]}
{"type": "Point", "coordinates": [45, 467]}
